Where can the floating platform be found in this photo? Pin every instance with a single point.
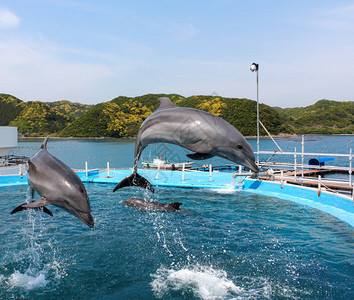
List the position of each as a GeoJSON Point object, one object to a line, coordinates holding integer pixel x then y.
{"type": "Point", "coordinates": [168, 178]}
{"type": "Point", "coordinates": [335, 204]}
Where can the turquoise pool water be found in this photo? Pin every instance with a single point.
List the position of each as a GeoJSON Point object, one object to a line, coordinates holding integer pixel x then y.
{"type": "Point", "coordinates": [222, 245]}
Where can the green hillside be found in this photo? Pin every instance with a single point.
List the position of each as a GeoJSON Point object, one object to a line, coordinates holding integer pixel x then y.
{"type": "Point", "coordinates": [72, 109]}
{"type": "Point", "coordinates": [323, 117]}
{"type": "Point", "coordinates": [36, 118]}
{"type": "Point", "coordinates": [122, 116]}
{"type": "Point", "coordinates": [10, 108]}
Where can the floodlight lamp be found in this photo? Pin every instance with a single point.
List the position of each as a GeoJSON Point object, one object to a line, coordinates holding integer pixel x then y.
{"type": "Point", "coordinates": [254, 67]}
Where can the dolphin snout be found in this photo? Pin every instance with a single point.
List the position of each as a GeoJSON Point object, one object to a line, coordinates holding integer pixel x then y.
{"type": "Point", "coordinates": [248, 159]}
{"type": "Point", "coordinates": [86, 218]}
{"type": "Point", "coordinates": [252, 165]}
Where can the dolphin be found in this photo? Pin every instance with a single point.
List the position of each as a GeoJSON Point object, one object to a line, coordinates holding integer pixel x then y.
{"type": "Point", "coordinates": [57, 184]}
{"type": "Point", "coordinates": [144, 205]}
{"type": "Point", "coordinates": [203, 133]}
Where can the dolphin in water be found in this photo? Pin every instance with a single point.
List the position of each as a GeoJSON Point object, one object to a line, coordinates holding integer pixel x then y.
{"type": "Point", "coordinates": [57, 184]}
{"type": "Point", "coordinates": [201, 132]}
{"type": "Point", "coordinates": [144, 205]}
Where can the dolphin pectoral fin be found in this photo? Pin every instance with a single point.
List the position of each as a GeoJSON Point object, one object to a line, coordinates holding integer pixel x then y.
{"type": "Point", "coordinates": [134, 180]}
{"type": "Point", "coordinates": [18, 208]}
{"type": "Point", "coordinates": [200, 147]}
{"type": "Point", "coordinates": [199, 156]}
{"type": "Point", "coordinates": [46, 210]}
{"type": "Point", "coordinates": [39, 204]}
{"type": "Point", "coordinates": [41, 208]}
{"type": "Point", "coordinates": [175, 205]}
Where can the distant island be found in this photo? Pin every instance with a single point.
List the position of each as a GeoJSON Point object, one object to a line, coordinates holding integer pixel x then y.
{"type": "Point", "coordinates": [122, 116]}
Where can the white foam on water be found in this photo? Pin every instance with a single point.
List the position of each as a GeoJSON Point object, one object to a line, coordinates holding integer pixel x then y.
{"type": "Point", "coordinates": [203, 282]}
{"type": "Point", "coordinates": [207, 283]}
{"type": "Point", "coordinates": [27, 281]}
{"type": "Point", "coordinates": [227, 191]}
{"type": "Point", "coordinates": [37, 262]}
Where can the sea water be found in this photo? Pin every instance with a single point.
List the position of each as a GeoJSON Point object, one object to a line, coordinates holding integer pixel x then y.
{"type": "Point", "coordinates": [221, 245]}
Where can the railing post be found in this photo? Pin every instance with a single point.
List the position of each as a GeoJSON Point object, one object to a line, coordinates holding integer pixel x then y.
{"type": "Point", "coordinates": [86, 168]}
{"type": "Point", "coordinates": [183, 167]}
{"type": "Point", "coordinates": [239, 173]}
{"type": "Point", "coordinates": [210, 172]}
{"type": "Point", "coordinates": [350, 172]}
{"type": "Point", "coordinates": [350, 166]}
{"type": "Point", "coordinates": [295, 164]}
{"type": "Point", "coordinates": [107, 169]}
{"type": "Point", "coordinates": [21, 170]}
{"type": "Point", "coordinates": [302, 155]}
{"type": "Point", "coordinates": [319, 185]}
{"type": "Point", "coordinates": [281, 178]}
{"type": "Point", "coordinates": [158, 170]}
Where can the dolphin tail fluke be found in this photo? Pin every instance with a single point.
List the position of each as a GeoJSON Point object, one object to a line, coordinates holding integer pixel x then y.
{"type": "Point", "coordinates": [41, 208]}
{"type": "Point", "coordinates": [135, 180]}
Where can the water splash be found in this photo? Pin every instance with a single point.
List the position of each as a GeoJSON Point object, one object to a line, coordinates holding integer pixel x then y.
{"type": "Point", "coordinates": [203, 282]}
{"type": "Point", "coordinates": [35, 262]}
{"type": "Point", "coordinates": [206, 282]}
{"type": "Point", "coordinates": [27, 281]}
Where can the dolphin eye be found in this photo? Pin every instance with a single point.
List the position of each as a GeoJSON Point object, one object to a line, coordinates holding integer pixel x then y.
{"type": "Point", "coordinates": [240, 147]}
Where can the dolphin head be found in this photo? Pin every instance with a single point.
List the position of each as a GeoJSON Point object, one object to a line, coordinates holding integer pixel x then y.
{"type": "Point", "coordinates": [240, 152]}
{"type": "Point", "coordinates": [245, 153]}
{"type": "Point", "coordinates": [76, 202]}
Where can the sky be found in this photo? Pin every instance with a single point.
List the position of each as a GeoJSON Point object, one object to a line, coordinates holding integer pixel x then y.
{"type": "Point", "coordinates": [93, 51]}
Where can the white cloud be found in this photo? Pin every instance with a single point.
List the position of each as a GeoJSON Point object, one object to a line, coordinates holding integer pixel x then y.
{"type": "Point", "coordinates": [35, 72]}
{"type": "Point", "coordinates": [337, 19]}
{"type": "Point", "coordinates": [345, 12]}
{"type": "Point", "coordinates": [183, 32]}
{"type": "Point", "coordinates": [8, 19]}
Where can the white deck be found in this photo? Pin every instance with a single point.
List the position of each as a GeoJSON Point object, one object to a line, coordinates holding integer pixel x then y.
{"type": "Point", "coordinates": [8, 139]}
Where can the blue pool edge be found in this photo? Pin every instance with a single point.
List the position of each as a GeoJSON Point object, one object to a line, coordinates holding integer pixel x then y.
{"type": "Point", "coordinates": [330, 203]}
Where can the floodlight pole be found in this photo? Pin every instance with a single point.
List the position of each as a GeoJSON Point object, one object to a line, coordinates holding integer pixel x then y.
{"type": "Point", "coordinates": [255, 68]}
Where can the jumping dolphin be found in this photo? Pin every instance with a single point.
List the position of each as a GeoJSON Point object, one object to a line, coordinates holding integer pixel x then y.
{"type": "Point", "coordinates": [144, 205]}
{"type": "Point", "coordinates": [201, 132]}
{"type": "Point", "coordinates": [57, 184]}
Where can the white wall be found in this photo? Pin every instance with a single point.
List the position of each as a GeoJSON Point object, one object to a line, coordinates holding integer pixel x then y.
{"type": "Point", "coordinates": [8, 139]}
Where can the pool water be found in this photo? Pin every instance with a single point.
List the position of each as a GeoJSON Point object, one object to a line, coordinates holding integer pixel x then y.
{"type": "Point", "coordinates": [221, 245]}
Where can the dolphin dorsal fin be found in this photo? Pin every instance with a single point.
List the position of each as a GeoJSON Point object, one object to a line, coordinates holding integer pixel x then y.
{"type": "Point", "coordinates": [165, 103]}
{"type": "Point", "coordinates": [44, 145]}
{"type": "Point", "coordinates": [175, 205]}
